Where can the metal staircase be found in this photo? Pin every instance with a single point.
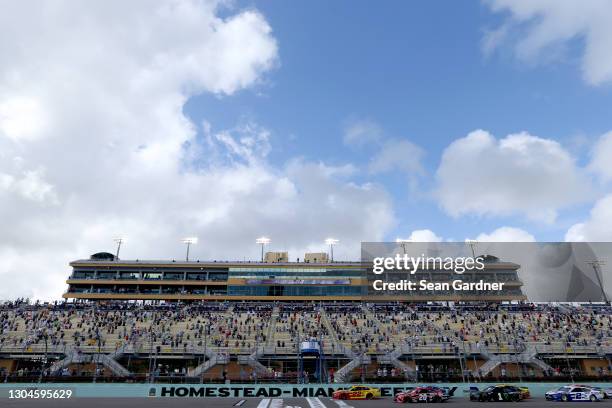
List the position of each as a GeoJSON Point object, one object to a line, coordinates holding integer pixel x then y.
{"type": "Point", "coordinates": [253, 361]}
{"type": "Point", "coordinates": [70, 357]}
{"type": "Point", "coordinates": [393, 359]}
{"type": "Point", "coordinates": [272, 326]}
{"type": "Point", "coordinates": [343, 375]}
{"type": "Point", "coordinates": [113, 365]}
{"type": "Point", "coordinates": [73, 356]}
{"type": "Point", "coordinates": [213, 360]}
{"type": "Point", "coordinates": [527, 356]}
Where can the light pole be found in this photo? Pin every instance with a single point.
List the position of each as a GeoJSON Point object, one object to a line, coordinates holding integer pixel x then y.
{"type": "Point", "coordinates": [472, 243]}
{"type": "Point", "coordinates": [188, 241]}
{"type": "Point", "coordinates": [263, 241]}
{"type": "Point", "coordinates": [331, 242]}
{"type": "Point", "coordinates": [403, 243]}
{"type": "Point", "coordinates": [597, 264]}
{"type": "Point", "coordinates": [44, 366]}
{"type": "Point", "coordinates": [118, 241]}
{"type": "Point", "coordinates": [97, 354]}
{"type": "Point", "coordinates": [150, 353]}
{"type": "Point", "coordinates": [205, 347]}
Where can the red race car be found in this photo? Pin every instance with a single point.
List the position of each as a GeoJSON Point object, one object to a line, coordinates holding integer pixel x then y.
{"type": "Point", "coordinates": [420, 394]}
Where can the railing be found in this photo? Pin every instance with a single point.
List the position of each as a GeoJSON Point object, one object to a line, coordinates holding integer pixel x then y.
{"type": "Point", "coordinates": [570, 348]}
{"type": "Point", "coordinates": [35, 349]}
{"type": "Point", "coordinates": [145, 347]}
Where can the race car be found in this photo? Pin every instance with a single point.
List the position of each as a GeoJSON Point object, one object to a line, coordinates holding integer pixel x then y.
{"type": "Point", "coordinates": [524, 390]}
{"type": "Point", "coordinates": [493, 393]}
{"type": "Point", "coordinates": [607, 392]}
{"type": "Point", "coordinates": [420, 394]}
{"type": "Point", "coordinates": [357, 392]}
{"type": "Point", "coordinates": [574, 392]}
{"type": "Point", "coordinates": [448, 392]}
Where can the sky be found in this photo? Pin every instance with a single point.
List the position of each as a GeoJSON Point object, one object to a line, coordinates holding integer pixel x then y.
{"type": "Point", "coordinates": [229, 120]}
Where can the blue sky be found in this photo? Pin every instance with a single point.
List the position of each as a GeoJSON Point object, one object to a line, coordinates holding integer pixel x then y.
{"type": "Point", "coordinates": [156, 120]}
{"type": "Point", "coordinates": [419, 71]}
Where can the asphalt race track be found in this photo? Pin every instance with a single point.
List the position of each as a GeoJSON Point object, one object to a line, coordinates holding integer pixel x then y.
{"type": "Point", "coordinates": [258, 403]}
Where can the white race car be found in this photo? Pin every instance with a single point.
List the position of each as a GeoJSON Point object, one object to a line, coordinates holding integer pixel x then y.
{"type": "Point", "coordinates": [574, 392]}
{"type": "Point", "coordinates": [607, 392]}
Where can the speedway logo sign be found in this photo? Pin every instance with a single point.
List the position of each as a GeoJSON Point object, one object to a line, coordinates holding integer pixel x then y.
{"type": "Point", "coordinates": [263, 391]}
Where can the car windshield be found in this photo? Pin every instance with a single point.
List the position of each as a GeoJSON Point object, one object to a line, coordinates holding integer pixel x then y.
{"type": "Point", "coordinates": [564, 389]}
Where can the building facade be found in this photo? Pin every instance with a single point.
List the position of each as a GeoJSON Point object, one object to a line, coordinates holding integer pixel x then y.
{"type": "Point", "coordinates": [104, 277]}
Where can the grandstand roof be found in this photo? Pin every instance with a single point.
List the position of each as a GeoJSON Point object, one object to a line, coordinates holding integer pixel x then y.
{"type": "Point", "coordinates": [196, 263]}
{"type": "Point", "coordinates": [166, 262]}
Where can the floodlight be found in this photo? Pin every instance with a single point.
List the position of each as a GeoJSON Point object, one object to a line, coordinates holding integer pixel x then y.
{"type": "Point", "coordinates": [188, 241]}
{"type": "Point", "coordinates": [331, 242]}
{"type": "Point", "coordinates": [472, 243]}
{"type": "Point", "coordinates": [597, 264]}
{"type": "Point", "coordinates": [403, 242]}
{"type": "Point", "coordinates": [263, 241]}
{"type": "Point", "coordinates": [119, 241]}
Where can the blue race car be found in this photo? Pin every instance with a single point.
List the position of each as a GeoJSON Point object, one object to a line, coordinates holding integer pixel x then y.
{"type": "Point", "coordinates": [574, 393]}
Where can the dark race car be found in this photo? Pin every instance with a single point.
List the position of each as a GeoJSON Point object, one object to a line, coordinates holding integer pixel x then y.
{"type": "Point", "coordinates": [525, 394]}
{"type": "Point", "coordinates": [497, 393]}
{"type": "Point", "coordinates": [424, 394]}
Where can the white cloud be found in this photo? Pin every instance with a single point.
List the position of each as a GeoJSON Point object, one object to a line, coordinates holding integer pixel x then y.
{"type": "Point", "coordinates": [389, 154]}
{"type": "Point", "coordinates": [398, 155]}
{"type": "Point", "coordinates": [545, 26]}
{"type": "Point", "coordinates": [601, 162]}
{"type": "Point", "coordinates": [506, 234]}
{"type": "Point", "coordinates": [111, 152]}
{"type": "Point", "coordinates": [518, 174]}
{"type": "Point", "coordinates": [21, 118]}
{"type": "Point", "coordinates": [361, 132]}
{"type": "Point", "coordinates": [501, 234]}
{"type": "Point", "coordinates": [598, 227]}
{"type": "Point", "coordinates": [247, 143]}
{"type": "Point", "coordinates": [424, 235]}
{"type": "Point", "coordinates": [30, 185]}
{"type": "Point", "coordinates": [492, 39]}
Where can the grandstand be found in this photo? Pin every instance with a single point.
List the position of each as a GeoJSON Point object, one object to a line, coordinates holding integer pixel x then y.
{"type": "Point", "coordinates": [120, 321]}
{"type": "Point", "coordinates": [219, 341]}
